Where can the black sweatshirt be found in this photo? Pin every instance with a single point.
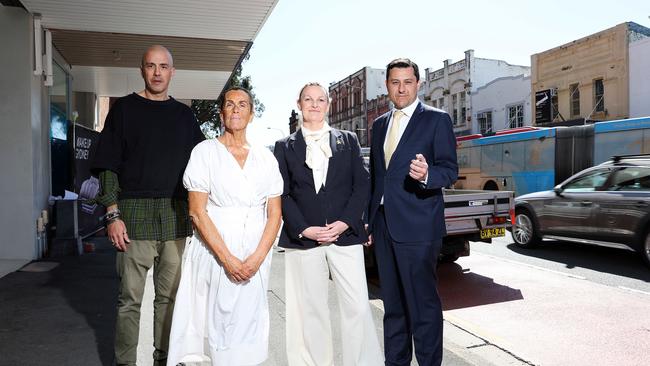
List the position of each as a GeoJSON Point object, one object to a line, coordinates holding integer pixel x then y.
{"type": "Point", "coordinates": [147, 143]}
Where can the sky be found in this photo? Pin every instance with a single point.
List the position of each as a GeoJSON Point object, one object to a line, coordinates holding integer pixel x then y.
{"type": "Point", "coordinates": [327, 40]}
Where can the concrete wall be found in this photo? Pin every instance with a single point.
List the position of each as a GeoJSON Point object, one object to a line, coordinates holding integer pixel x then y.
{"type": "Point", "coordinates": [640, 78]}
{"type": "Point", "coordinates": [497, 96]}
{"type": "Point", "coordinates": [600, 55]}
{"type": "Point", "coordinates": [24, 148]}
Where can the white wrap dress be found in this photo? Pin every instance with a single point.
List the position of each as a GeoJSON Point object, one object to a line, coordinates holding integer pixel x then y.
{"type": "Point", "coordinates": [214, 316]}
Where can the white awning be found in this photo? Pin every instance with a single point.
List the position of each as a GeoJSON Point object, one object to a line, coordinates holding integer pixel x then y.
{"type": "Point", "coordinates": [103, 40]}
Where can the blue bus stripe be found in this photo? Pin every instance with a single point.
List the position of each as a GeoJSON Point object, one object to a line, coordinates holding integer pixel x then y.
{"type": "Point", "coordinates": [520, 136]}
{"type": "Point", "coordinates": [622, 125]}
{"type": "Point", "coordinates": [533, 181]}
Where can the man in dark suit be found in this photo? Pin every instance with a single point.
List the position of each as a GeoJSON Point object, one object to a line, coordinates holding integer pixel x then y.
{"type": "Point", "coordinates": [412, 157]}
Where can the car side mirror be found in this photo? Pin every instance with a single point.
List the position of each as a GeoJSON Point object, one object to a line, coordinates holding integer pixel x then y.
{"type": "Point", "coordinates": [558, 190]}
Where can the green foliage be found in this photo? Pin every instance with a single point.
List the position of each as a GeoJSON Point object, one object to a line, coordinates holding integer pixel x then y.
{"type": "Point", "coordinates": [207, 111]}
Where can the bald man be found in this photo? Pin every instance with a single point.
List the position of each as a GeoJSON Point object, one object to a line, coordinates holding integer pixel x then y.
{"type": "Point", "coordinates": [140, 159]}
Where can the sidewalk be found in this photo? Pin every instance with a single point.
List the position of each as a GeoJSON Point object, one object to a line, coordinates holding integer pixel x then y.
{"type": "Point", "coordinates": [66, 316]}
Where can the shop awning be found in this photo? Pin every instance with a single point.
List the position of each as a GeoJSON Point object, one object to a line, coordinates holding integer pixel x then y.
{"type": "Point", "coordinates": [103, 40]}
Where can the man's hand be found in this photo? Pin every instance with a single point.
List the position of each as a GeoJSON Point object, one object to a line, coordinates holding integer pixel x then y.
{"type": "Point", "coordinates": [419, 168]}
{"type": "Point", "coordinates": [117, 235]}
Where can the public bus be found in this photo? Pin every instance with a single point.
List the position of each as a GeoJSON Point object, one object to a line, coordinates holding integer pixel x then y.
{"type": "Point", "coordinates": [532, 159]}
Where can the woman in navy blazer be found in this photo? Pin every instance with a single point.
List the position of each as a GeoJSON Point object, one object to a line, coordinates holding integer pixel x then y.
{"type": "Point", "coordinates": [326, 189]}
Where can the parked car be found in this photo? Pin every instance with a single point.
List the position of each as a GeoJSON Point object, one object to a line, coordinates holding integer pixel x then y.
{"type": "Point", "coordinates": [607, 205]}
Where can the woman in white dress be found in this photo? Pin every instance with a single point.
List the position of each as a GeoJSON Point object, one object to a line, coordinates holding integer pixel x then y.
{"type": "Point", "coordinates": [234, 202]}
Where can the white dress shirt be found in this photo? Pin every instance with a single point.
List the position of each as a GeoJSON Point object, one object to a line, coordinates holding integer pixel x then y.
{"type": "Point", "coordinates": [408, 112]}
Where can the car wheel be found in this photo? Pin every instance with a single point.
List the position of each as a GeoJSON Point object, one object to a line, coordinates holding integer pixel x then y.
{"type": "Point", "coordinates": [525, 233]}
{"type": "Point", "coordinates": [645, 248]}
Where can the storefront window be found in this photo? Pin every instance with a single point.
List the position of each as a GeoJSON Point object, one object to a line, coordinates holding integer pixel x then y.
{"type": "Point", "coordinates": [59, 102]}
{"type": "Point", "coordinates": [61, 154]}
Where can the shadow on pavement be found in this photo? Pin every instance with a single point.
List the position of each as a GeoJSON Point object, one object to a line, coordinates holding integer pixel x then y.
{"type": "Point", "coordinates": [459, 288]}
{"type": "Point", "coordinates": [62, 317]}
{"type": "Point", "coordinates": [608, 260]}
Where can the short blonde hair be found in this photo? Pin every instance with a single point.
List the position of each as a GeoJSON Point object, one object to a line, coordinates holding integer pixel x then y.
{"type": "Point", "coordinates": [314, 83]}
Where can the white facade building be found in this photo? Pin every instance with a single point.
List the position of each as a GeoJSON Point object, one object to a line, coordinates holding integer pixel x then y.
{"type": "Point", "coordinates": [501, 104]}
{"type": "Point", "coordinates": [639, 53]}
{"type": "Point", "coordinates": [451, 87]}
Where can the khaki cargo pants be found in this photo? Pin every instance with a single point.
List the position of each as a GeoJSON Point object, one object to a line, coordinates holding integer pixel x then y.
{"type": "Point", "coordinates": [132, 267]}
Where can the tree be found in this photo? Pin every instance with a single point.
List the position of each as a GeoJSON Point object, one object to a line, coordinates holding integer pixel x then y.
{"type": "Point", "coordinates": [207, 111]}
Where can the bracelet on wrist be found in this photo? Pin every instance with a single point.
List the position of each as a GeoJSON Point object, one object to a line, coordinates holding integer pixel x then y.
{"type": "Point", "coordinates": [108, 222]}
{"type": "Point", "coordinates": [111, 216]}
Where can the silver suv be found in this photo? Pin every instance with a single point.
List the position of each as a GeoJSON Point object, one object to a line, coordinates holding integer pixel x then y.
{"type": "Point", "coordinates": [607, 205]}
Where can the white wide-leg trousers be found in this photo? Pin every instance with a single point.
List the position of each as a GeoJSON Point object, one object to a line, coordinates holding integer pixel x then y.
{"type": "Point", "coordinates": [309, 331]}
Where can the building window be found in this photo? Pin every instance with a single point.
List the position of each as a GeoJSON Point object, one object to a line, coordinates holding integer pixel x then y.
{"type": "Point", "coordinates": [441, 103]}
{"type": "Point", "coordinates": [463, 110]}
{"type": "Point", "coordinates": [599, 95]}
{"type": "Point", "coordinates": [485, 121]}
{"type": "Point", "coordinates": [516, 116]}
{"type": "Point", "coordinates": [454, 106]}
{"type": "Point", "coordinates": [434, 103]}
{"type": "Point", "coordinates": [350, 102]}
{"type": "Point", "coordinates": [357, 99]}
{"type": "Point", "coordinates": [574, 100]}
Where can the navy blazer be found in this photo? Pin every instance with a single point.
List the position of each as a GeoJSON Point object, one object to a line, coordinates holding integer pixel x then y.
{"type": "Point", "coordinates": [344, 196]}
{"type": "Point", "coordinates": [414, 211]}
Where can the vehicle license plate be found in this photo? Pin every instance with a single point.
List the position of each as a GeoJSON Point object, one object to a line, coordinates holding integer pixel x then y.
{"type": "Point", "coordinates": [493, 232]}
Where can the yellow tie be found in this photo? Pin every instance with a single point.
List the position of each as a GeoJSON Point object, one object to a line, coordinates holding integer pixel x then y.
{"type": "Point", "coordinates": [393, 136]}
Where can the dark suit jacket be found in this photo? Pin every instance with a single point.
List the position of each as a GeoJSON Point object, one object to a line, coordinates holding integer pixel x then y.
{"type": "Point", "coordinates": [344, 197]}
{"type": "Point", "coordinates": [414, 212]}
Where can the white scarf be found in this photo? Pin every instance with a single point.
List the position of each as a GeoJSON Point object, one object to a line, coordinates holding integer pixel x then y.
{"type": "Point", "coordinates": [318, 152]}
